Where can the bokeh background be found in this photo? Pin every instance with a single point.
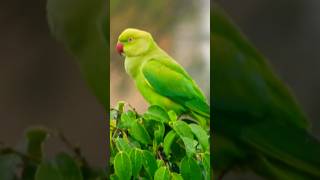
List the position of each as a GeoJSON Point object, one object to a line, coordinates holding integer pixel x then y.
{"type": "Point", "coordinates": [288, 34]}
{"type": "Point", "coordinates": [180, 27]}
{"type": "Point", "coordinates": [40, 84]}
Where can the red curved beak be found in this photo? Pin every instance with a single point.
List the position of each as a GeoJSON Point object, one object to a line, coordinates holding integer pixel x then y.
{"type": "Point", "coordinates": [119, 48]}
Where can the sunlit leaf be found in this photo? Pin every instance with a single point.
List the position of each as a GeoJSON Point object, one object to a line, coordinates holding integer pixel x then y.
{"type": "Point", "coordinates": [149, 163]}
{"type": "Point", "coordinates": [168, 140]}
{"type": "Point", "coordinates": [136, 160]}
{"type": "Point", "coordinates": [162, 174]}
{"type": "Point", "coordinates": [201, 135]}
{"type": "Point", "coordinates": [139, 132]}
{"type": "Point", "coordinates": [122, 166]}
{"type": "Point", "coordinates": [156, 113]}
{"type": "Point", "coordinates": [185, 133]}
{"type": "Point", "coordinates": [176, 176]}
{"type": "Point", "coordinates": [173, 116]}
{"type": "Point", "coordinates": [182, 129]}
{"type": "Point", "coordinates": [122, 145]}
{"type": "Point", "coordinates": [127, 119]}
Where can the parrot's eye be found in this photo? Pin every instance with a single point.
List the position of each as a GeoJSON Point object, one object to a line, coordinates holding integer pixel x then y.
{"type": "Point", "coordinates": [130, 39]}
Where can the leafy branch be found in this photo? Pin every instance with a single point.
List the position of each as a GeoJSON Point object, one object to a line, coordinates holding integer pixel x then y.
{"type": "Point", "coordinates": [157, 145]}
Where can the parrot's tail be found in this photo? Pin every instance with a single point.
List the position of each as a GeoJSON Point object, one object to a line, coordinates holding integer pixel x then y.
{"type": "Point", "coordinates": [287, 152]}
{"type": "Point", "coordinates": [276, 170]}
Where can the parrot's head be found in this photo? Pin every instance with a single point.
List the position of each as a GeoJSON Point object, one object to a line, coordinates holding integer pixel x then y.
{"type": "Point", "coordinates": [134, 42]}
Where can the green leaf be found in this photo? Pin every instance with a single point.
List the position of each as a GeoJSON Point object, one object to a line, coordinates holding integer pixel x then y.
{"type": "Point", "coordinates": [138, 132]}
{"type": "Point", "coordinates": [149, 163]}
{"type": "Point", "coordinates": [127, 119]}
{"type": "Point", "coordinates": [156, 129]}
{"type": "Point", "coordinates": [156, 113]}
{"type": "Point", "coordinates": [162, 174]}
{"type": "Point", "coordinates": [173, 116]}
{"type": "Point", "coordinates": [189, 169]}
{"type": "Point", "coordinates": [168, 140]}
{"type": "Point", "coordinates": [190, 145]}
{"type": "Point", "coordinates": [63, 167]}
{"type": "Point", "coordinates": [159, 132]}
{"type": "Point", "coordinates": [136, 161]}
{"type": "Point", "coordinates": [123, 145]}
{"type": "Point", "coordinates": [176, 176]}
{"type": "Point", "coordinates": [122, 166]}
{"type": "Point", "coordinates": [8, 165]}
{"type": "Point", "coordinates": [160, 163]}
{"type": "Point", "coordinates": [201, 135]}
{"type": "Point", "coordinates": [35, 137]}
{"type": "Point", "coordinates": [114, 177]}
{"type": "Point", "coordinates": [67, 166]}
{"type": "Point", "coordinates": [182, 129]}
{"type": "Point", "coordinates": [47, 171]}
{"type": "Point", "coordinates": [185, 133]}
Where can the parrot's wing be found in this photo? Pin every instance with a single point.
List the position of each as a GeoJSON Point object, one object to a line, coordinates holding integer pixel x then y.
{"type": "Point", "coordinates": [287, 144]}
{"type": "Point", "coordinates": [172, 82]}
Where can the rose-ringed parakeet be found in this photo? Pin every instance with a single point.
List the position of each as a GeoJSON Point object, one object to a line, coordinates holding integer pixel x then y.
{"type": "Point", "coordinates": [257, 123]}
{"type": "Point", "coordinates": [159, 78]}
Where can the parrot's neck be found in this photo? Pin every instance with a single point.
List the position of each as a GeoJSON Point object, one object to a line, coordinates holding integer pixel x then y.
{"type": "Point", "coordinates": [133, 64]}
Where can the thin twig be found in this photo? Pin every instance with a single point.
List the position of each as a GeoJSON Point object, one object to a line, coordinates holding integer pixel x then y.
{"type": "Point", "coordinates": [75, 149]}
{"type": "Point", "coordinates": [131, 107]}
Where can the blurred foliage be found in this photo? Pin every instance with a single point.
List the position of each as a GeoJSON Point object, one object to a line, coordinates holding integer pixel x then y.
{"type": "Point", "coordinates": [258, 124]}
{"type": "Point", "coordinates": [157, 145]}
{"type": "Point", "coordinates": [30, 162]}
{"type": "Point", "coordinates": [83, 28]}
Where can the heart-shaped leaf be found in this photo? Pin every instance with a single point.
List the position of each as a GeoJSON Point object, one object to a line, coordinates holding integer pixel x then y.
{"type": "Point", "coordinates": [201, 135]}
{"type": "Point", "coordinates": [136, 161]}
{"type": "Point", "coordinates": [139, 132]}
{"type": "Point", "coordinates": [156, 113]}
{"type": "Point", "coordinates": [149, 163]}
{"type": "Point", "coordinates": [122, 166]}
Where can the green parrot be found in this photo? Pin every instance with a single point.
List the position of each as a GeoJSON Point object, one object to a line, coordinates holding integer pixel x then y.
{"type": "Point", "coordinates": [82, 26]}
{"type": "Point", "coordinates": [257, 124]}
{"type": "Point", "coordinates": [159, 78]}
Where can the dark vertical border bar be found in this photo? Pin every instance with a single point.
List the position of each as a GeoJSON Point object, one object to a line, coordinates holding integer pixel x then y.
{"type": "Point", "coordinates": [107, 25]}
{"type": "Point", "coordinates": [211, 94]}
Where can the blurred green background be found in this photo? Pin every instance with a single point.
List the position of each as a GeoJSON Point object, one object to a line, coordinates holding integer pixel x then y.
{"type": "Point", "coordinates": [40, 83]}
{"type": "Point", "coordinates": [288, 34]}
{"type": "Point", "coordinates": [180, 27]}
